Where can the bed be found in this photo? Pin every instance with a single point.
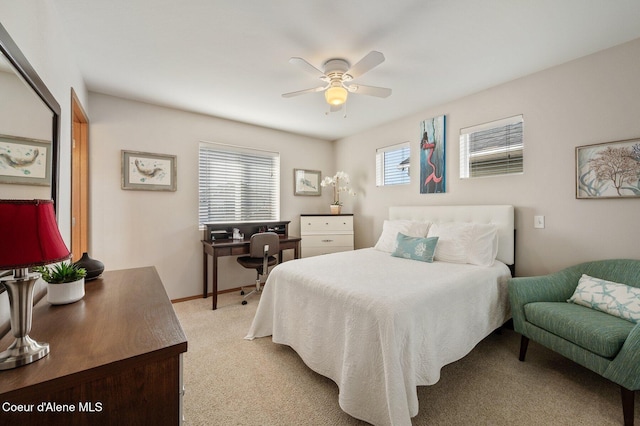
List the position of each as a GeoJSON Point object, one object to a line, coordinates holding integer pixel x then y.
{"type": "Point", "coordinates": [380, 325]}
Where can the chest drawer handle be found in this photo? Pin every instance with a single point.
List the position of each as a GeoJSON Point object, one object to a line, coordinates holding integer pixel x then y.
{"type": "Point", "coordinates": [327, 241]}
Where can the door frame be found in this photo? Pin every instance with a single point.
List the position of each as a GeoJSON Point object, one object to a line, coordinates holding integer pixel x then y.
{"type": "Point", "coordinates": [79, 179]}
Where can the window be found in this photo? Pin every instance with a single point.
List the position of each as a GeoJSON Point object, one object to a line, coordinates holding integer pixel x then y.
{"type": "Point", "coordinates": [238, 184]}
{"type": "Point", "coordinates": [491, 149]}
{"type": "Point", "coordinates": [392, 164]}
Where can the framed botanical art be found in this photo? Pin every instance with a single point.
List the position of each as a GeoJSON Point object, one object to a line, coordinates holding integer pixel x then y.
{"type": "Point", "coordinates": [148, 172]}
{"type": "Point", "coordinates": [25, 161]}
{"type": "Point", "coordinates": [608, 170]}
{"type": "Point", "coordinates": [306, 182]}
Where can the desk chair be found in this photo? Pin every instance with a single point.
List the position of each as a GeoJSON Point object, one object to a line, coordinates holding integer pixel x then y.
{"type": "Point", "coordinates": [262, 248]}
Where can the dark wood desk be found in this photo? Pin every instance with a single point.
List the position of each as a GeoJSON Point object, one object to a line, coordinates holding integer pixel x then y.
{"type": "Point", "coordinates": [217, 249]}
{"type": "Point", "coordinates": [115, 357]}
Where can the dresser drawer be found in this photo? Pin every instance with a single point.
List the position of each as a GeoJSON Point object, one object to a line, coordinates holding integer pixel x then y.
{"type": "Point", "coordinates": [319, 224]}
{"type": "Point", "coordinates": [317, 251]}
{"type": "Point", "coordinates": [332, 240]}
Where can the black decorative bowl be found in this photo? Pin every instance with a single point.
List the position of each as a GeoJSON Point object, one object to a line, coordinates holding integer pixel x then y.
{"type": "Point", "coordinates": [93, 267]}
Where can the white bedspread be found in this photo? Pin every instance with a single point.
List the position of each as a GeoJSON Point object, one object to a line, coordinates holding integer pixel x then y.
{"type": "Point", "coordinates": [378, 325]}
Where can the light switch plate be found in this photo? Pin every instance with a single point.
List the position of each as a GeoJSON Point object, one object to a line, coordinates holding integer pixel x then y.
{"type": "Point", "coordinates": [538, 222]}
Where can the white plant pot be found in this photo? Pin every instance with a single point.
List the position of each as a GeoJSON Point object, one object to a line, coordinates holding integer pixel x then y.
{"type": "Point", "coordinates": [61, 294]}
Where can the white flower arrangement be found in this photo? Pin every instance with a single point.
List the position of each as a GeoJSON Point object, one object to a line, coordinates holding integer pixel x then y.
{"type": "Point", "coordinates": [340, 183]}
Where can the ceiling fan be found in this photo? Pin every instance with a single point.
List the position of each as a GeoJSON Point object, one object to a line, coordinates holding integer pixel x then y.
{"type": "Point", "coordinates": [338, 75]}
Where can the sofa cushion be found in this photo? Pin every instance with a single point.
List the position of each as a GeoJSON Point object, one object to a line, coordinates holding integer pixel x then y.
{"type": "Point", "coordinates": [613, 298]}
{"type": "Point", "coordinates": [595, 331]}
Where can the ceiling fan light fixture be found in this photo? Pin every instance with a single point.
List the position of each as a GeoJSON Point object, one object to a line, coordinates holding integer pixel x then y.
{"type": "Point", "coordinates": [337, 74]}
{"type": "Point", "coordinates": [336, 95]}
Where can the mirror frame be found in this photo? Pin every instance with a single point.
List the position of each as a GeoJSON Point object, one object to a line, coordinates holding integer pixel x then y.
{"type": "Point", "coordinates": [22, 66]}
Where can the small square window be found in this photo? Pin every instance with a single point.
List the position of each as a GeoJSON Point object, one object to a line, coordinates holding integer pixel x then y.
{"type": "Point", "coordinates": [492, 149]}
{"type": "Point", "coordinates": [393, 164]}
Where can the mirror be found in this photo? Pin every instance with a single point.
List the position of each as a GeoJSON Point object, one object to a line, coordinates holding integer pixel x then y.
{"type": "Point", "coordinates": [29, 128]}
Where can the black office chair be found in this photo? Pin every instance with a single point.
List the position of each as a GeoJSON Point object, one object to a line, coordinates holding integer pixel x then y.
{"type": "Point", "coordinates": [262, 248]}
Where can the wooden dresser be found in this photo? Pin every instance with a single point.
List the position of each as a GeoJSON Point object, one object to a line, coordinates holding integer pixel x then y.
{"type": "Point", "coordinates": [116, 358]}
{"type": "Point", "coordinates": [322, 234]}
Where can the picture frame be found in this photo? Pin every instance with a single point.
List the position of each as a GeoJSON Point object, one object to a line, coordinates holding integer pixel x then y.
{"type": "Point", "coordinates": [608, 170]}
{"type": "Point", "coordinates": [145, 171]}
{"type": "Point", "coordinates": [432, 155]}
{"type": "Point", "coordinates": [307, 182]}
{"type": "Point", "coordinates": [25, 161]}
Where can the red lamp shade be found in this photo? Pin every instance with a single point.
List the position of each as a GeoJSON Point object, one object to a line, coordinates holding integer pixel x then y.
{"type": "Point", "coordinates": [29, 234]}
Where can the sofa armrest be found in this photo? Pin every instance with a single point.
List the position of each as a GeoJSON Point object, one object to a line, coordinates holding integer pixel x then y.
{"type": "Point", "coordinates": [625, 367]}
{"type": "Point", "coordinates": [556, 287]}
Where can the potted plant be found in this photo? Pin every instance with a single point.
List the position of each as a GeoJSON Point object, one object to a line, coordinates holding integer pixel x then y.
{"type": "Point", "coordinates": [65, 282]}
{"type": "Point", "coordinates": [340, 183]}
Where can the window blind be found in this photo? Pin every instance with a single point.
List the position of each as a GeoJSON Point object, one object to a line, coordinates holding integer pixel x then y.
{"type": "Point", "coordinates": [392, 164]}
{"type": "Point", "coordinates": [494, 148]}
{"type": "Point", "coordinates": [238, 184]}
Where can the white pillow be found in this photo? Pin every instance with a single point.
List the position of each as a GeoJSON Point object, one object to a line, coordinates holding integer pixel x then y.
{"type": "Point", "coordinates": [454, 241]}
{"type": "Point", "coordinates": [484, 244]}
{"type": "Point", "coordinates": [613, 298]}
{"type": "Point", "coordinates": [390, 229]}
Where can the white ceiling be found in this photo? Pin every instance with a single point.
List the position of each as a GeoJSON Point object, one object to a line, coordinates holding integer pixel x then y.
{"type": "Point", "coordinates": [229, 58]}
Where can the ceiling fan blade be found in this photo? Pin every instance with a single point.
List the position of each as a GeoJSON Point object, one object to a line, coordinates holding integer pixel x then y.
{"type": "Point", "coordinates": [371, 60]}
{"type": "Point", "coordinates": [306, 66]}
{"type": "Point", "coordinates": [361, 89]}
{"type": "Point", "coordinates": [302, 92]}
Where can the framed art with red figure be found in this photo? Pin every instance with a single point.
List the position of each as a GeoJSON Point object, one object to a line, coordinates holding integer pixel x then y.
{"type": "Point", "coordinates": [432, 156]}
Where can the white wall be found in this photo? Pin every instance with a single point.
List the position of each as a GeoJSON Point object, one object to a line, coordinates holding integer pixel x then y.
{"type": "Point", "coordinates": [139, 228]}
{"type": "Point", "coordinates": [22, 112]}
{"type": "Point", "coordinates": [591, 100]}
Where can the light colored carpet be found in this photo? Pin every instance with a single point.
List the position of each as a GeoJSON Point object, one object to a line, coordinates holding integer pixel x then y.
{"type": "Point", "coordinates": [232, 381]}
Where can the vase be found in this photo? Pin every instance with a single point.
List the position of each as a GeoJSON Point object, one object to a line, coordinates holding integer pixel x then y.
{"type": "Point", "coordinates": [335, 209]}
{"type": "Point", "coordinates": [93, 267]}
{"type": "Point", "coordinates": [63, 293]}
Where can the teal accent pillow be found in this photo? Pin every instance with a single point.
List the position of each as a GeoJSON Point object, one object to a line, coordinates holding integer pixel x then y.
{"type": "Point", "coordinates": [416, 248]}
{"type": "Point", "coordinates": [613, 298]}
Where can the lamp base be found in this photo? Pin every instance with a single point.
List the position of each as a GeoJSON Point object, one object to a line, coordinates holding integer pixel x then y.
{"type": "Point", "coordinates": [23, 351]}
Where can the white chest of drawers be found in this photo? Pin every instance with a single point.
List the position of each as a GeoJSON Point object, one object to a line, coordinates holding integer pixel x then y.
{"type": "Point", "coordinates": [322, 234]}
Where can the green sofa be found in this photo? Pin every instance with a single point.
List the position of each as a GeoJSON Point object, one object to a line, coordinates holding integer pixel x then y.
{"type": "Point", "coordinates": [603, 343]}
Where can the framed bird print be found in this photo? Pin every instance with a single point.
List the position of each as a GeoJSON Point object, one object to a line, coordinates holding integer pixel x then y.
{"type": "Point", "coordinates": [148, 172]}
{"type": "Point", "coordinates": [25, 161]}
{"type": "Point", "coordinates": [306, 182]}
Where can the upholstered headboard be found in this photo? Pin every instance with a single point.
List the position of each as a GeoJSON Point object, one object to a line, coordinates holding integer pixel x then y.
{"type": "Point", "coordinates": [502, 216]}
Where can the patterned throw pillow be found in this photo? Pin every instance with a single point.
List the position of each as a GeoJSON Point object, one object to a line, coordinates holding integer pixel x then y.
{"type": "Point", "coordinates": [613, 298]}
{"type": "Point", "coordinates": [416, 248]}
